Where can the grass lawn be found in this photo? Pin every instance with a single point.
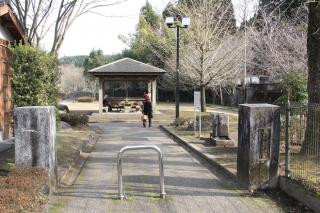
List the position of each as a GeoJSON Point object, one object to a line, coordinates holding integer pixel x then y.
{"type": "Point", "coordinates": [306, 171]}
{"type": "Point", "coordinates": [94, 106]}
{"type": "Point", "coordinates": [165, 115]}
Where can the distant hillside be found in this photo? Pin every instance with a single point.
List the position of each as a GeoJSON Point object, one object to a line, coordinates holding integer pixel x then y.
{"type": "Point", "coordinates": [115, 57]}
{"type": "Point", "coordinates": [77, 60]}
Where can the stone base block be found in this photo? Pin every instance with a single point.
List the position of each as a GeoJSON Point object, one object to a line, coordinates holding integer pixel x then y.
{"type": "Point", "coordinates": [225, 142]}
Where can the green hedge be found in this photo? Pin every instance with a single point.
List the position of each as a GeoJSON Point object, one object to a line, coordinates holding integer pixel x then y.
{"type": "Point", "coordinates": [74, 119]}
{"type": "Point", "coordinates": [86, 99]}
{"type": "Point", "coordinates": [35, 76]}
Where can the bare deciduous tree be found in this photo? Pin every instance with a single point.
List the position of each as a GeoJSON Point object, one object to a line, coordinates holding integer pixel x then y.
{"type": "Point", "coordinates": [39, 17]}
{"type": "Point", "coordinates": [72, 79]}
{"type": "Point", "coordinates": [279, 45]}
{"type": "Point", "coordinates": [211, 48]}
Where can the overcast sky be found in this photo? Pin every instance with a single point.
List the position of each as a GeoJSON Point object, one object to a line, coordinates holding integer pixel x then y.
{"type": "Point", "coordinates": [96, 32]}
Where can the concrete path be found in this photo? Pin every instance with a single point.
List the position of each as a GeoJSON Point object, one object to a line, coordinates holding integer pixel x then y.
{"type": "Point", "coordinates": [190, 187]}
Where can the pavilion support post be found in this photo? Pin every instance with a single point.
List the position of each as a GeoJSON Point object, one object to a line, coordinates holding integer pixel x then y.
{"type": "Point", "coordinates": [100, 95]}
{"type": "Point", "coordinates": [149, 88]}
{"type": "Point", "coordinates": [154, 95]}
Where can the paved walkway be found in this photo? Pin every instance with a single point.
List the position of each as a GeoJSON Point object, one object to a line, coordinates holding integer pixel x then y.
{"type": "Point", "coordinates": [190, 187]}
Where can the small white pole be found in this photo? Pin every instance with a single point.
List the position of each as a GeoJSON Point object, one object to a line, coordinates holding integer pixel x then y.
{"type": "Point", "coordinates": [195, 122]}
{"type": "Point", "coordinates": [200, 124]}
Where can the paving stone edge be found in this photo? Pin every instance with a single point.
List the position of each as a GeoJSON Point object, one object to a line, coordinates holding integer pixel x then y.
{"type": "Point", "coordinates": [285, 184]}
{"type": "Point", "coordinates": [180, 140]}
{"type": "Point", "coordinates": [70, 176]}
{"type": "Point", "coordinates": [296, 191]}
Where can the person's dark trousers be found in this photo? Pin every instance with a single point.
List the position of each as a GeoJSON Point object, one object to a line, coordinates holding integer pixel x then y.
{"type": "Point", "coordinates": [149, 122]}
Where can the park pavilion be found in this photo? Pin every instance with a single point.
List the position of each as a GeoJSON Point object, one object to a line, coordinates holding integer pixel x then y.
{"type": "Point", "coordinates": [127, 70]}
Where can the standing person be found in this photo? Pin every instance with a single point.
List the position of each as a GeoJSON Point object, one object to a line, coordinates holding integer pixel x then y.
{"type": "Point", "coordinates": [147, 110]}
{"type": "Point", "coordinates": [145, 95]}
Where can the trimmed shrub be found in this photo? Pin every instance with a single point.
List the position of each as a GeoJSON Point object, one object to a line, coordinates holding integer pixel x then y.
{"type": "Point", "coordinates": [85, 99]}
{"type": "Point", "coordinates": [74, 119]}
{"type": "Point", "coordinates": [35, 76]}
{"type": "Point", "coordinates": [205, 118]}
{"type": "Point", "coordinates": [181, 122]}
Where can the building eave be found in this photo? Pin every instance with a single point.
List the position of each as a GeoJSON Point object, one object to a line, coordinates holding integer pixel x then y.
{"type": "Point", "coordinates": [11, 22]}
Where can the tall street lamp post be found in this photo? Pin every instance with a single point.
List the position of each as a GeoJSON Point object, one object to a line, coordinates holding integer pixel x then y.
{"type": "Point", "coordinates": [178, 22]}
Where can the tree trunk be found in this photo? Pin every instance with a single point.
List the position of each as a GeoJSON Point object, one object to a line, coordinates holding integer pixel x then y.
{"type": "Point", "coordinates": [314, 52]}
{"type": "Point", "coordinates": [214, 95]}
{"type": "Point", "coordinates": [203, 98]}
{"type": "Point", "coordinates": [221, 95]}
{"type": "Point", "coordinates": [312, 139]}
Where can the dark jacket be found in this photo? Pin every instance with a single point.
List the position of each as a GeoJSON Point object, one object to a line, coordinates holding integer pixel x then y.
{"type": "Point", "coordinates": [147, 108]}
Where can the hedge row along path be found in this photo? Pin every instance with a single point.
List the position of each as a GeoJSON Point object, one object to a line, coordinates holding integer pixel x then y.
{"type": "Point", "coordinates": [190, 187]}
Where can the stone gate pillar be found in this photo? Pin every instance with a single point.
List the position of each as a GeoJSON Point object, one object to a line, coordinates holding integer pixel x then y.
{"type": "Point", "coordinates": [258, 145]}
{"type": "Point", "coordinates": [35, 140]}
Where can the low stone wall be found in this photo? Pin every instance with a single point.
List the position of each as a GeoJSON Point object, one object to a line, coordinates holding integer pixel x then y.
{"type": "Point", "coordinates": [299, 193]}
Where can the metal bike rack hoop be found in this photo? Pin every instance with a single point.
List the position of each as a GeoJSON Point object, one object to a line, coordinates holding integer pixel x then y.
{"type": "Point", "coordinates": [119, 166]}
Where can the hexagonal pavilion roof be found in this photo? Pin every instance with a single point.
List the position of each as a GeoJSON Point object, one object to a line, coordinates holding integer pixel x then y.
{"type": "Point", "coordinates": [127, 66]}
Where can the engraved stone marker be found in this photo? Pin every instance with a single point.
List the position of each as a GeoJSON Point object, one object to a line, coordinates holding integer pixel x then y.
{"type": "Point", "coordinates": [220, 130]}
{"type": "Point", "coordinates": [35, 139]}
{"type": "Point", "coordinates": [258, 146]}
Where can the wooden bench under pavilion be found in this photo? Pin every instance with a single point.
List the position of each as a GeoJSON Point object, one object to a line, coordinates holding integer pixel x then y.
{"type": "Point", "coordinates": [126, 70]}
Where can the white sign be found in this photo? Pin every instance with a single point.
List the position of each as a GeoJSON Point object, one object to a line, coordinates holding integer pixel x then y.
{"type": "Point", "coordinates": [197, 102]}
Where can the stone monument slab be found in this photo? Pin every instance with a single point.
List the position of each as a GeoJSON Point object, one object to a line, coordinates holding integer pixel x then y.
{"type": "Point", "coordinates": [35, 139]}
{"type": "Point", "coordinates": [220, 129]}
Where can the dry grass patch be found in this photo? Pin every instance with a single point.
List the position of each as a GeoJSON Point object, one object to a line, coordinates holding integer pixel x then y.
{"type": "Point", "coordinates": [69, 144]}
{"type": "Point", "coordinates": [21, 190]}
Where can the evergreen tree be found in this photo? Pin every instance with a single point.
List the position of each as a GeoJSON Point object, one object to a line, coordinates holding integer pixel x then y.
{"type": "Point", "coordinates": [139, 43]}
{"type": "Point", "coordinates": [286, 8]}
{"type": "Point", "coordinates": [95, 59]}
{"type": "Point", "coordinates": [149, 15]}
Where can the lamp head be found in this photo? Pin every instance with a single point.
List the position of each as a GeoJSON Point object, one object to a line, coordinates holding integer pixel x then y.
{"type": "Point", "coordinates": [170, 21]}
{"type": "Point", "coordinates": [185, 22]}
